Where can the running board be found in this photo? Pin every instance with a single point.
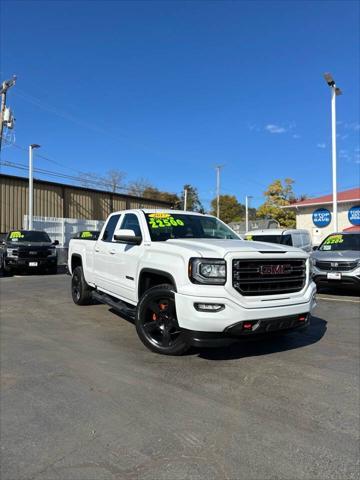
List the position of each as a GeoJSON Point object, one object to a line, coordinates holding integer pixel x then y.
{"type": "Point", "coordinates": [118, 305]}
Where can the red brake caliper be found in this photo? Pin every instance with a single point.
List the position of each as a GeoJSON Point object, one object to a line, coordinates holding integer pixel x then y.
{"type": "Point", "coordinates": [163, 306]}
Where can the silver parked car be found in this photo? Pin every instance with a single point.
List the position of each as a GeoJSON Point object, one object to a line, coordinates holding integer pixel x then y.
{"type": "Point", "coordinates": [336, 262]}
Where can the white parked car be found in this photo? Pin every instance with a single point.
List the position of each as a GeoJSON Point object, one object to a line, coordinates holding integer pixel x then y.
{"type": "Point", "coordinates": [188, 279]}
{"type": "Point", "coordinates": [292, 237]}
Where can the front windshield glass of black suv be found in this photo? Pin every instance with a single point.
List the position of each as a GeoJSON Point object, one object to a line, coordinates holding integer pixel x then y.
{"type": "Point", "coordinates": [27, 236]}
{"type": "Point", "coordinates": [336, 242]}
{"type": "Point", "coordinates": [166, 226]}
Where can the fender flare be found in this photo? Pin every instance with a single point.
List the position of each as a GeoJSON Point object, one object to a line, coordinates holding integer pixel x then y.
{"type": "Point", "coordinates": [155, 271]}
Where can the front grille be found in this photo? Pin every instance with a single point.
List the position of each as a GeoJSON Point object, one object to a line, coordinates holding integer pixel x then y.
{"type": "Point", "coordinates": [268, 277]}
{"type": "Point", "coordinates": [336, 266]}
{"type": "Point", "coordinates": [34, 253]}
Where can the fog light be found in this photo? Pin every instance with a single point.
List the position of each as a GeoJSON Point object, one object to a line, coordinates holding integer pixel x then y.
{"type": "Point", "coordinates": [209, 307]}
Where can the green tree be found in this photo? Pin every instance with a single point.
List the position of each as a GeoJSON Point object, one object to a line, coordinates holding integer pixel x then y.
{"type": "Point", "coordinates": [193, 202]}
{"type": "Point", "coordinates": [279, 194]}
{"type": "Point", "coordinates": [230, 209]}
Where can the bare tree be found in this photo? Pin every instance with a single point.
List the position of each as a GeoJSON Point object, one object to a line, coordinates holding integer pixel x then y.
{"type": "Point", "coordinates": [137, 187]}
{"type": "Point", "coordinates": [90, 180]}
{"type": "Point", "coordinates": [115, 180]}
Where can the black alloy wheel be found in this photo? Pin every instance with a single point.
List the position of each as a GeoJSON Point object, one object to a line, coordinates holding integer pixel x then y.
{"type": "Point", "coordinates": [156, 322]}
{"type": "Point", "coordinates": [80, 290]}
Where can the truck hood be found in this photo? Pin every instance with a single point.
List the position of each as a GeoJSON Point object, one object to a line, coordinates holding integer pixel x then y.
{"type": "Point", "coordinates": [208, 247]}
{"type": "Point", "coordinates": [341, 255]}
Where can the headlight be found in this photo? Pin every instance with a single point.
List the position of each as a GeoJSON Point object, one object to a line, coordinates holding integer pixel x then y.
{"type": "Point", "coordinates": [208, 271]}
{"type": "Point", "coordinates": [11, 252]}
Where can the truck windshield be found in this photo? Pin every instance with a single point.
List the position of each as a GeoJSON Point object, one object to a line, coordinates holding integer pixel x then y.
{"type": "Point", "coordinates": [350, 241]}
{"type": "Point", "coordinates": [165, 226]}
{"type": "Point", "coordinates": [28, 236]}
{"type": "Point", "coordinates": [282, 239]}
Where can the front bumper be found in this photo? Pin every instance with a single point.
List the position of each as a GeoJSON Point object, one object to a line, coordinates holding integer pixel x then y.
{"type": "Point", "coordinates": [240, 331]}
{"type": "Point", "coordinates": [16, 263]}
{"type": "Point", "coordinates": [345, 280]}
{"type": "Point", "coordinates": [233, 311]}
{"type": "Point", "coordinates": [350, 278]}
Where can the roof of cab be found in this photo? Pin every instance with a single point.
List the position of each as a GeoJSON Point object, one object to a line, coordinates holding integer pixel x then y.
{"type": "Point", "coordinates": [275, 231]}
{"type": "Point", "coordinates": [161, 210]}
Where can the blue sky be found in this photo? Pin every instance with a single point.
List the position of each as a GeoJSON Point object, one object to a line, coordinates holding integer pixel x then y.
{"type": "Point", "coordinates": [167, 90]}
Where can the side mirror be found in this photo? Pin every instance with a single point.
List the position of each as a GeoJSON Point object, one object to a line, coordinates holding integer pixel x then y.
{"type": "Point", "coordinates": [315, 247]}
{"type": "Point", "coordinates": [56, 242]}
{"type": "Point", "coordinates": [127, 236]}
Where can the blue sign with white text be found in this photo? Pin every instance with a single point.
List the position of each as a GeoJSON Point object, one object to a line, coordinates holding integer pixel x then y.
{"type": "Point", "coordinates": [321, 217]}
{"type": "Point", "coordinates": [354, 215]}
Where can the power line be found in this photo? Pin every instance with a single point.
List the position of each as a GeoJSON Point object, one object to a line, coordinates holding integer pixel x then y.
{"type": "Point", "coordinates": [51, 173]}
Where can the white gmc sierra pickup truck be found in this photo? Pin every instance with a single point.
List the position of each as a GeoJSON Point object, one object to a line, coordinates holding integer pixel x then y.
{"type": "Point", "coordinates": [188, 279]}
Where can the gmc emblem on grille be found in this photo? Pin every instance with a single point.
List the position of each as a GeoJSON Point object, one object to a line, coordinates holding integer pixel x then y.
{"type": "Point", "coordinates": [275, 269]}
{"type": "Point", "coordinates": [32, 253]}
{"type": "Point", "coordinates": [334, 264]}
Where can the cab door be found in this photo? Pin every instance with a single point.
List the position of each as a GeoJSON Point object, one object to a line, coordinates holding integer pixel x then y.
{"type": "Point", "coordinates": [125, 261]}
{"type": "Point", "coordinates": [104, 253]}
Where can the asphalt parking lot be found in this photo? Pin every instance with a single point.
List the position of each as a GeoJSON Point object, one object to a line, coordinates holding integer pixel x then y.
{"type": "Point", "coordinates": [82, 399]}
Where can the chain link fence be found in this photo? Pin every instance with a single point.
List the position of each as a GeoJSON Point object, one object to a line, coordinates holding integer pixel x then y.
{"type": "Point", "coordinates": [62, 229]}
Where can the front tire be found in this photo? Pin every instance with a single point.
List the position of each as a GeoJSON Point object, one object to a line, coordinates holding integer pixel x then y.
{"type": "Point", "coordinates": [80, 290]}
{"type": "Point", "coordinates": [156, 322]}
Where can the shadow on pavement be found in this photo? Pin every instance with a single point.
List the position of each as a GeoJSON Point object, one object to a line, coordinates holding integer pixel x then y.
{"type": "Point", "coordinates": [266, 345]}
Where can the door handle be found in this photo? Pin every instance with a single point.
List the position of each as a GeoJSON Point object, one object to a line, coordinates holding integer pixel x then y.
{"type": "Point", "coordinates": [112, 252]}
{"type": "Point", "coordinates": [97, 249]}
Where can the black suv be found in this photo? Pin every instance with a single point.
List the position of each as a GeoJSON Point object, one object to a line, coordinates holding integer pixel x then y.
{"type": "Point", "coordinates": [28, 250]}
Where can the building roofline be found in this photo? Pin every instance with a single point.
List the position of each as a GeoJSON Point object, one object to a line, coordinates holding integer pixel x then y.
{"type": "Point", "coordinates": [304, 205]}
{"type": "Point", "coordinates": [95, 190]}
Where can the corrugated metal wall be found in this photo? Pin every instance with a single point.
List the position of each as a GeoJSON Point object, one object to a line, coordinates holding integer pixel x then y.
{"type": "Point", "coordinates": [57, 200]}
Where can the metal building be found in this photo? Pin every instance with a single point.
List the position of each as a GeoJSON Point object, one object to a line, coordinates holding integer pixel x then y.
{"type": "Point", "coordinates": [53, 199]}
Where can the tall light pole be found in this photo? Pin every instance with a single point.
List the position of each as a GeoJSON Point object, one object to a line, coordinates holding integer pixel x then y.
{"type": "Point", "coordinates": [335, 91]}
{"type": "Point", "coordinates": [185, 198]}
{"type": "Point", "coordinates": [31, 187]}
{"type": "Point", "coordinates": [247, 198]}
{"type": "Point", "coordinates": [4, 87]}
{"type": "Point", "coordinates": [218, 168]}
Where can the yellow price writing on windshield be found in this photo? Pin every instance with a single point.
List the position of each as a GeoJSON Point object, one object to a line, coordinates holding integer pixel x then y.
{"type": "Point", "coordinates": [165, 222]}
{"type": "Point", "coordinates": [334, 239]}
{"type": "Point", "coordinates": [159, 215]}
{"type": "Point", "coordinates": [86, 235]}
{"type": "Point", "coordinates": [16, 235]}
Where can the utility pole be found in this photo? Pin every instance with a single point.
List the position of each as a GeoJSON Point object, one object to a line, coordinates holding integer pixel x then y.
{"type": "Point", "coordinates": [247, 198]}
{"type": "Point", "coordinates": [31, 187]}
{"type": "Point", "coordinates": [3, 91]}
{"type": "Point", "coordinates": [335, 91]}
{"type": "Point", "coordinates": [185, 198]}
{"type": "Point", "coordinates": [218, 168]}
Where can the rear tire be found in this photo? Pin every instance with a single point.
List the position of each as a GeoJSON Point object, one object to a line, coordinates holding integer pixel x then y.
{"type": "Point", "coordinates": [80, 290]}
{"type": "Point", "coordinates": [156, 322]}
